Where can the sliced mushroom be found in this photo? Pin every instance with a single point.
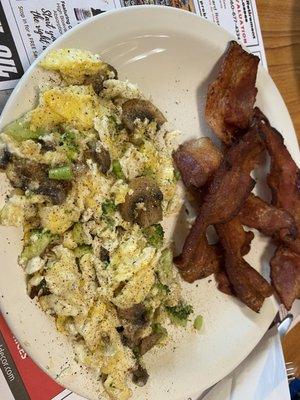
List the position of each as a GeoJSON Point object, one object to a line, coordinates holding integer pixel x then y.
{"type": "Point", "coordinates": [56, 191]}
{"type": "Point", "coordinates": [25, 174]}
{"type": "Point", "coordinates": [143, 202]}
{"type": "Point", "coordinates": [139, 375]}
{"type": "Point", "coordinates": [140, 109]}
{"type": "Point", "coordinates": [79, 168]}
{"type": "Point", "coordinates": [99, 155]}
{"type": "Point", "coordinates": [103, 377]}
{"type": "Point", "coordinates": [119, 288]}
{"type": "Point", "coordinates": [128, 338]}
{"type": "Point", "coordinates": [137, 315]}
{"type": "Point", "coordinates": [40, 290]}
{"type": "Point", "coordinates": [5, 157]}
{"type": "Point", "coordinates": [120, 329]}
{"type": "Point", "coordinates": [97, 80]}
{"type": "Point", "coordinates": [104, 254]}
{"type": "Point", "coordinates": [134, 320]}
{"type": "Point", "coordinates": [111, 71]}
{"type": "Point", "coordinates": [120, 230]}
{"type": "Point", "coordinates": [148, 342]}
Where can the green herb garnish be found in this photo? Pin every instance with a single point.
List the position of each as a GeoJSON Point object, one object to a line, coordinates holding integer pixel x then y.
{"type": "Point", "coordinates": [179, 314]}
{"type": "Point", "coordinates": [117, 169]}
{"type": "Point", "coordinates": [154, 235]}
{"type": "Point", "coordinates": [108, 207]}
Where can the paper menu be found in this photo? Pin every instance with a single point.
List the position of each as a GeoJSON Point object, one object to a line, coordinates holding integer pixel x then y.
{"type": "Point", "coordinates": [20, 377]}
{"type": "Point", "coordinates": [29, 26]}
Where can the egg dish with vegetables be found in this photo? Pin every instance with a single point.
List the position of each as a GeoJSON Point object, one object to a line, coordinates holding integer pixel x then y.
{"type": "Point", "coordinates": [92, 179]}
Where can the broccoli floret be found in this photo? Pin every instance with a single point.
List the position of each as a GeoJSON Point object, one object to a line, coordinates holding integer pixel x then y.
{"type": "Point", "coordinates": [117, 169]}
{"type": "Point", "coordinates": [165, 267]}
{"type": "Point", "coordinates": [158, 328]}
{"type": "Point", "coordinates": [82, 250]}
{"type": "Point", "coordinates": [39, 241]}
{"type": "Point", "coordinates": [154, 235]}
{"type": "Point", "coordinates": [164, 289]}
{"type": "Point", "coordinates": [68, 143]}
{"type": "Point", "coordinates": [179, 314]}
{"type": "Point", "coordinates": [113, 123]}
{"type": "Point", "coordinates": [108, 207]}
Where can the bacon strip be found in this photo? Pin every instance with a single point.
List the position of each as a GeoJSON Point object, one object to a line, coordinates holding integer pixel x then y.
{"type": "Point", "coordinates": [268, 219]}
{"type": "Point", "coordinates": [231, 97]}
{"type": "Point", "coordinates": [225, 197]}
{"type": "Point", "coordinates": [223, 282]}
{"type": "Point", "coordinates": [284, 176]}
{"type": "Point", "coordinates": [230, 187]}
{"type": "Point", "coordinates": [197, 160]}
{"type": "Point", "coordinates": [284, 181]}
{"type": "Point", "coordinates": [207, 261]}
{"type": "Point", "coordinates": [246, 283]}
{"type": "Point", "coordinates": [285, 275]}
{"type": "Point", "coordinates": [245, 239]}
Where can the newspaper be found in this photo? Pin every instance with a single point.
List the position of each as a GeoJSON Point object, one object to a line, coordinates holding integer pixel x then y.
{"type": "Point", "coordinates": [27, 27]}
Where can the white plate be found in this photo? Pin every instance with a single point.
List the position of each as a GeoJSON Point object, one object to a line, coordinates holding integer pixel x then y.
{"type": "Point", "coordinates": [171, 55]}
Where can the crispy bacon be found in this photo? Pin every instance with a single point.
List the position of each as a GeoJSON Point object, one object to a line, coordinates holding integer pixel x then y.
{"type": "Point", "coordinates": [223, 282]}
{"type": "Point", "coordinates": [197, 160]}
{"type": "Point", "coordinates": [230, 187]}
{"type": "Point", "coordinates": [248, 237]}
{"type": "Point", "coordinates": [232, 183]}
{"type": "Point", "coordinates": [284, 181]}
{"type": "Point", "coordinates": [229, 112]}
{"type": "Point", "coordinates": [269, 220]}
{"type": "Point", "coordinates": [231, 97]}
{"type": "Point", "coordinates": [284, 176]}
{"type": "Point", "coordinates": [207, 261]}
{"type": "Point", "coordinates": [245, 282]}
{"type": "Point", "coordinates": [285, 275]}
{"type": "Point", "coordinates": [245, 239]}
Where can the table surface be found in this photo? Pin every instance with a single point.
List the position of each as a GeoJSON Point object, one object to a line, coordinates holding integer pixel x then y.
{"type": "Point", "coordinates": [280, 25]}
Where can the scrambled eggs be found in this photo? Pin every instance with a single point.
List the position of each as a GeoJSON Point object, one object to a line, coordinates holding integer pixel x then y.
{"type": "Point", "coordinates": [92, 179]}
